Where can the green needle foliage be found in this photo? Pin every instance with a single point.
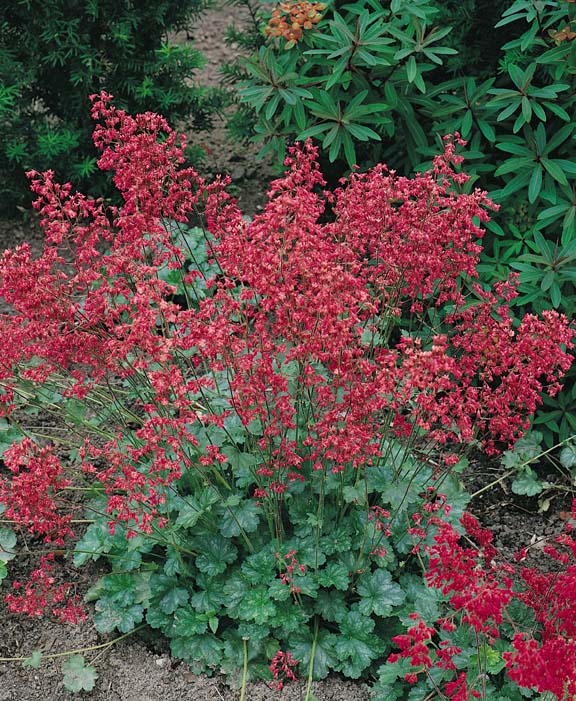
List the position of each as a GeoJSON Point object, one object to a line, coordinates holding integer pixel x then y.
{"type": "Point", "coordinates": [54, 53]}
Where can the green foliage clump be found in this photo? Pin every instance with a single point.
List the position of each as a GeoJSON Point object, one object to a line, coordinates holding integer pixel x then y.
{"type": "Point", "coordinates": [54, 54]}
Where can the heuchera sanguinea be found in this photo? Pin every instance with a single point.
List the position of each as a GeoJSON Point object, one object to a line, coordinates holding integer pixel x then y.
{"type": "Point", "coordinates": [317, 281]}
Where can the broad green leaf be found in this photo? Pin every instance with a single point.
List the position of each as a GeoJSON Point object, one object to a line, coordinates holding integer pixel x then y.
{"type": "Point", "coordinates": [209, 598]}
{"type": "Point", "coordinates": [118, 587]}
{"type": "Point", "coordinates": [204, 649]}
{"type": "Point", "coordinates": [156, 619]}
{"type": "Point", "coordinates": [192, 508]}
{"type": "Point", "coordinates": [331, 605]}
{"type": "Point", "coordinates": [325, 658]}
{"type": "Point", "coordinates": [527, 483]}
{"type": "Point", "coordinates": [109, 616]}
{"type": "Point", "coordinates": [388, 672]}
{"type": "Point", "coordinates": [244, 517]}
{"type": "Point", "coordinates": [354, 495]}
{"type": "Point", "coordinates": [188, 622]}
{"type": "Point", "coordinates": [95, 542]}
{"type": "Point", "coordinates": [492, 659]}
{"type": "Point", "coordinates": [335, 574]}
{"type": "Point", "coordinates": [568, 456]}
{"type": "Point", "coordinates": [78, 676]}
{"type": "Point", "coordinates": [356, 647]}
{"type": "Point", "coordinates": [173, 599]}
{"type": "Point", "coordinates": [35, 660]}
{"type": "Point", "coordinates": [215, 554]}
{"type": "Point", "coordinates": [7, 544]}
{"type": "Point", "coordinates": [259, 568]}
{"type": "Point", "coordinates": [256, 606]}
{"type": "Point", "coordinates": [379, 594]}
{"type": "Point", "coordinates": [9, 434]}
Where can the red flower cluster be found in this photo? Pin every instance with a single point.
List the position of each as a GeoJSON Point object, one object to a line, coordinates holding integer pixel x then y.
{"type": "Point", "coordinates": [292, 565]}
{"type": "Point", "coordinates": [41, 592]}
{"type": "Point", "coordinates": [296, 338]}
{"type": "Point", "coordinates": [282, 668]}
{"type": "Point", "coordinates": [30, 492]}
{"type": "Point", "coordinates": [479, 583]}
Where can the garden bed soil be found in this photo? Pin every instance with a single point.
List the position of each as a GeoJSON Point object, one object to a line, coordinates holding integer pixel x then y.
{"type": "Point", "coordinates": [136, 669]}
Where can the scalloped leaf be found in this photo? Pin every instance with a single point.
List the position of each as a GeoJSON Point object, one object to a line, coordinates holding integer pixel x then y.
{"type": "Point", "coordinates": [78, 676]}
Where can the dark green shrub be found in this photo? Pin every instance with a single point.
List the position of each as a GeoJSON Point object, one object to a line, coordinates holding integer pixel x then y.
{"type": "Point", "coordinates": [54, 53]}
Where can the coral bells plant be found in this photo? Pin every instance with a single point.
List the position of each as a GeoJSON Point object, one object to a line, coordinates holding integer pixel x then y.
{"type": "Point", "coordinates": [264, 412]}
{"type": "Point", "coordinates": [466, 567]}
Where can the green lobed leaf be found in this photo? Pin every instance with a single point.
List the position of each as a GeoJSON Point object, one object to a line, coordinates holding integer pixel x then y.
{"type": "Point", "coordinates": [259, 568]}
{"type": "Point", "coordinates": [331, 605]}
{"type": "Point", "coordinates": [187, 622]}
{"type": "Point", "coordinates": [35, 660]}
{"type": "Point", "coordinates": [174, 598]}
{"type": "Point", "coordinates": [335, 574]}
{"type": "Point", "coordinates": [78, 676]}
{"type": "Point", "coordinates": [243, 517]}
{"type": "Point", "coordinates": [379, 594]}
{"type": "Point", "coordinates": [215, 554]}
{"type": "Point", "coordinates": [527, 483]}
{"type": "Point", "coordinates": [7, 545]}
{"type": "Point", "coordinates": [325, 658]}
{"type": "Point", "coordinates": [203, 649]}
{"type": "Point", "coordinates": [568, 456]}
{"type": "Point", "coordinates": [256, 606]}
{"type": "Point", "coordinates": [357, 646]}
{"type": "Point", "coordinates": [109, 616]}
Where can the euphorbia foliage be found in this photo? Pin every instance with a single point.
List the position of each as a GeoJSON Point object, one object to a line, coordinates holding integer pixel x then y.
{"type": "Point", "coordinates": [260, 433]}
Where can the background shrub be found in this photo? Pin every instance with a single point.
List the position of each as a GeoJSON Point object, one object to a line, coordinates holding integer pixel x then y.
{"type": "Point", "coordinates": [54, 53]}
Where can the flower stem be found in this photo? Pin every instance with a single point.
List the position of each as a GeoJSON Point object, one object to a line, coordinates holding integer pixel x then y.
{"type": "Point", "coordinates": [244, 670]}
{"type": "Point", "coordinates": [78, 651]}
{"type": "Point", "coordinates": [311, 668]}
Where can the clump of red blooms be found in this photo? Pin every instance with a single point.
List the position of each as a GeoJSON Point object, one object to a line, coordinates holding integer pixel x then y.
{"type": "Point", "coordinates": [291, 292]}
{"type": "Point", "coordinates": [480, 585]}
{"type": "Point", "coordinates": [43, 592]}
{"type": "Point", "coordinates": [291, 19]}
{"type": "Point", "coordinates": [282, 668]}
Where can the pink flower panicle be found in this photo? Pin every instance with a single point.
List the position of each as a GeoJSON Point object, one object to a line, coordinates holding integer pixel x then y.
{"type": "Point", "coordinates": [479, 586]}
{"type": "Point", "coordinates": [41, 593]}
{"type": "Point", "coordinates": [30, 491]}
{"type": "Point", "coordinates": [282, 667]}
{"type": "Point", "coordinates": [292, 567]}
